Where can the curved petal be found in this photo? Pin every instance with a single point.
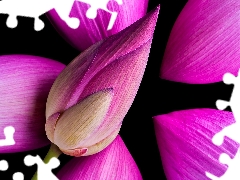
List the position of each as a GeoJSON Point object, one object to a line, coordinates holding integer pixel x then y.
{"type": "Point", "coordinates": [84, 118]}
{"type": "Point", "coordinates": [204, 43]}
{"type": "Point", "coordinates": [91, 31]}
{"type": "Point", "coordinates": [114, 162]}
{"type": "Point", "coordinates": [185, 143]}
{"type": "Point", "coordinates": [25, 82]}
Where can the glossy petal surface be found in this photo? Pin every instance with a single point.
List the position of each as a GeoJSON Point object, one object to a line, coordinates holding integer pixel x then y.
{"type": "Point", "coordinates": [185, 143]}
{"type": "Point", "coordinates": [25, 82]}
{"type": "Point", "coordinates": [204, 43]}
{"type": "Point", "coordinates": [113, 163]}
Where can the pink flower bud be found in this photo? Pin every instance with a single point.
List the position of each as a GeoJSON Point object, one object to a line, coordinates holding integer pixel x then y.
{"type": "Point", "coordinates": [92, 95]}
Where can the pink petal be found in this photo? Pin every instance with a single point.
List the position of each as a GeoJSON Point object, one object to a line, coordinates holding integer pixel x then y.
{"type": "Point", "coordinates": [114, 162]}
{"type": "Point", "coordinates": [25, 82]}
{"type": "Point", "coordinates": [91, 31]}
{"type": "Point", "coordinates": [204, 43]}
{"type": "Point", "coordinates": [185, 143]}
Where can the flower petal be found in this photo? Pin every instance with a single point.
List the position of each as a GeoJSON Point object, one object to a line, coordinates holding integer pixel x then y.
{"type": "Point", "coordinates": [25, 82]}
{"type": "Point", "coordinates": [204, 43]}
{"type": "Point", "coordinates": [81, 118]}
{"type": "Point", "coordinates": [185, 143]}
{"type": "Point", "coordinates": [114, 162]}
{"type": "Point", "coordinates": [91, 31]}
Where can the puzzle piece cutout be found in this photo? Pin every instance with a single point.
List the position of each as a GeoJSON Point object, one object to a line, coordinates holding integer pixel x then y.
{"type": "Point", "coordinates": [18, 176]}
{"type": "Point", "coordinates": [233, 130]}
{"type": "Point", "coordinates": [232, 172]}
{"type": "Point", "coordinates": [3, 165]}
{"type": "Point", "coordinates": [36, 8]}
{"type": "Point", "coordinates": [44, 170]}
{"type": "Point", "coordinates": [101, 4]}
{"type": "Point", "coordinates": [8, 132]}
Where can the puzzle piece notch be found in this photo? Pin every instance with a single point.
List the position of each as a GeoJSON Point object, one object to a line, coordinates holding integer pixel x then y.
{"type": "Point", "coordinates": [9, 140]}
{"type": "Point", "coordinates": [18, 176]}
{"type": "Point", "coordinates": [12, 22]}
{"type": "Point", "coordinates": [44, 170]}
{"type": "Point", "coordinates": [24, 8]}
{"type": "Point", "coordinates": [3, 165]}
{"type": "Point", "coordinates": [232, 173]}
{"type": "Point", "coordinates": [101, 4]}
{"type": "Point", "coordinates": [36, 8]}
{"type": "Point", "coordinates": [228, 78]}
{"type": "Point", "coordinates": [232, 131]}
{"type": "Point", "coordinates": [234, 102]}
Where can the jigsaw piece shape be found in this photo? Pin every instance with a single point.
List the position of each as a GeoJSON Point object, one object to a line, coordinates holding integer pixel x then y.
{"type": "Point", "coordinates": [44, 170]}
{"type": "Point", "coordinates": [36, 8]}
{"type": "Point", "coordinates": [8, 132]}
{"type": "Point", "coordinates": [233, 130]}
{"type": "Point", "coordinates": [63, 8]}
{"type": "Point", "coordinates": [101, 4]}
{"type": "Point", "coordinates": [3, 165]}
{"type": "Point", "coordinates": [18, 176]}
{"type": "Point", "coordinates": [229, 78]}
{"type": "Point", "coordinates": [232, 172]}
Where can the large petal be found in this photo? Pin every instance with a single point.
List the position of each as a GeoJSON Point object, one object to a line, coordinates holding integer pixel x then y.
{"type": "Point", "coordinates": [25, 82]}
{"type": "Point", "coordinates": [204, 43]}
{"type": "Point", "coordinates": [91, 31]}
{"type": "Point", "coordinates": [113, 163]}
{"type": "Point", "coordinates": [185, 143]}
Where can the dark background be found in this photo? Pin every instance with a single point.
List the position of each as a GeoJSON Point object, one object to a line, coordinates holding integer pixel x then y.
{"type": "Point", "coordinates": [154, 97]}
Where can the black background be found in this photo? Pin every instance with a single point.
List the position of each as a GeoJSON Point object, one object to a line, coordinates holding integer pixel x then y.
{"type": "Point", "coordinates": [155, 96]}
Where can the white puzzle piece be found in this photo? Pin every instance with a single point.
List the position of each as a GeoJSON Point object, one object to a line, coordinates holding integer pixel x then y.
{"type": "Point", "coordinates": [8, 132]}
{"type": "Point", "coordinates": [3, 165]}
{"type": "Point", "coordinates": [18, 176]}
{"type": "Point", "coordinates": [232, 131]}
{"type": "Point", "coordinates": [44, 171]}
{"type": "Point", "coordinates": [36, 8]}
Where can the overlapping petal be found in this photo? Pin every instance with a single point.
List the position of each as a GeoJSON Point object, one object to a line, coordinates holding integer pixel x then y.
{"type": "Point", "coordinates": [25, 82]}
{"type": "Point", "coordinates": [117, 65]}
{"type": "Point", "coordinates": [114, 162]}
{"type": "Point", "coordinates": [91, 31]}
{"type": "Point", "coordinates": [185, 143]}
{"type": "Point", "coordinates": [204, 42]}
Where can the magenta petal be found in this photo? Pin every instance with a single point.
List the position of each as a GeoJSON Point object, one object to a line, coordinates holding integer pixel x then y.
{"type": "Point", "coordinates": [113, 163]}
{"type": "Point", "coordinates": [91, 31]}
{"type": "Point", "coordinates": [185, 143]}
{"type": "Point", "coordinates": [204, 43]}
{"type": "Point", "coordinates": [25, 82]}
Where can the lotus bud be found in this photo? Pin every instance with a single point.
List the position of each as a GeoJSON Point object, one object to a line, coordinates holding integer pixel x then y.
{"type": "Point", "coordinates": [114, 162]}
{"type": "Point", "coordinates": [187, 144]}
{"type": "Point", "coordinates": [89, 99]}
{"type": "Point", "coordinates": [97, 20]}
{"type": "Point", "coordinates": [204, 43]}
{"type": "Point", "coordinates": [25, 82]}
